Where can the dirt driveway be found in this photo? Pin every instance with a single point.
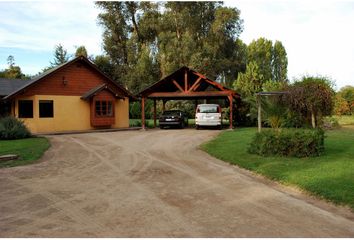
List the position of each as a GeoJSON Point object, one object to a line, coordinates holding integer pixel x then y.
{"type": "Point", "coordinates": [153, 184]}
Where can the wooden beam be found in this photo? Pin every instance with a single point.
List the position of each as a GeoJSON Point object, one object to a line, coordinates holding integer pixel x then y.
{"type": "Point", "coordinates": [259, 114]}
{"type": "Point", "coordinates": [143, 113]}
{"type": "Point", "coordinates": [196, 87]}
{"type": "Point", "coordinates": [219, 86]}
{"type": "Point", "coordinates": [195, 84]}
{"type": "Point", "coordinates": [231, 108]}
{"type": "Point", "coordinates": [154, 113]}
{"type": "Point", "coordinates": [225, 93]}
{"type": "Point", "coordinates": [200, 75]}
{"type": "Point", "coordinates": [185, 80]}
{"type": "Point", "coordinates": [177, 85]}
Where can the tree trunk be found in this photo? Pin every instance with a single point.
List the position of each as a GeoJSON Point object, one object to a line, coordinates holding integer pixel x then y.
{"type": "Point", "coordinates": [136, 28]}
{"type": "Point", "coordinates": [313, 119]}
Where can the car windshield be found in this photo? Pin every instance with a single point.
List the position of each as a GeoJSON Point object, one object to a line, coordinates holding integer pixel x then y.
{"type": "Point", "coordinates": [171, 113]}
{"type": "Point", "coordinates": [208, 109]}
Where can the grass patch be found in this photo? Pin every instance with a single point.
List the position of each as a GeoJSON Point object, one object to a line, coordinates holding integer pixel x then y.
{"type": "Point", "coordinates": [329, 176]}
{"type": "Point", "coordinates": [345, 119]}
{"type": "Point", "coordinates": [28, 149]}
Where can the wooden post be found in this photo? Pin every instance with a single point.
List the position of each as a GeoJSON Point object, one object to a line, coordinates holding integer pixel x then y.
{"type": "Point", "coordinates": [163, 105]}
{"type": "Point", "coordinates": [185, 81]}
{"type": "Point", "coordinates": [259, 113]}
{"type": "Point", "coordinates": [231, 106]}
{"type": "Point", "coordinates": [143, 113]}
{"type": "Point", "coordinates": [154, 113]}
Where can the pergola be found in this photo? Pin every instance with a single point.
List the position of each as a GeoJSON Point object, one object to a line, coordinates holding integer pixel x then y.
{"type": "Point", "coordinates": [260, 94]}
{"type": "Point", "coordinates": [185, 84]}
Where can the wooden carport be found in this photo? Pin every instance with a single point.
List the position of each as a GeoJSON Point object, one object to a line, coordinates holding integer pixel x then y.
{"type": "Point", "coordinates": [185, 84]}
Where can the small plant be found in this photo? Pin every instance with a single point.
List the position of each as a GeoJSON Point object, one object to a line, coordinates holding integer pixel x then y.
{"type": "Point", "coordinates": [13, 128]}
{"type": "Point", "coordinates": [275, 122]}
{"type": "Point", "coordinates": [288, 142]}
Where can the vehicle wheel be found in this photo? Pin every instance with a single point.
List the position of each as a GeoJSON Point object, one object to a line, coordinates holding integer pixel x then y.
{"type": "Point", "coordinates": [182, 125]}
{"type": "Point", "coordinates": [220, 127]}
{"type": "Point", "coordinates": [197, 127]}
{"type": "Point", "coordinates": [161, 127]}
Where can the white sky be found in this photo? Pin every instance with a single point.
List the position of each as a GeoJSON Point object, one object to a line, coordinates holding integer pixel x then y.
{"type": "Point", "coordinates": [318, 35]}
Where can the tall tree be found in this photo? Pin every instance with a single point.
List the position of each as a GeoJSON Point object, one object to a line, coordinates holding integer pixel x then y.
{"type": "Point", "coordinates": [81, 51]}
{"type": "Point", "coordinates": [60, 56]}
{"type": "Point", "coordinates": [312, 97]}
{"type": "Point", "coordinates": [201, 35]}
{"type": "Point", "coordinates": [251, 81]}
{"type": "Point", "coordinates": [341, 106]}
{"type": "Point", "coordinates": [103, 62]}
{"type": "Point", "coordinates": [260, 51]}
{"type": "Point", "coordinates": [129, 30]}
{"type": "Point", "coordinates": [12, 71]}
{"type": "Point", "coordinates": [279, 63]}
{"type": "Point", "coordinates": [271, 59]}
{"type": "Point", "coordinates": [347, 93]}
{"type": "Point", "coordinates": [11, 60]}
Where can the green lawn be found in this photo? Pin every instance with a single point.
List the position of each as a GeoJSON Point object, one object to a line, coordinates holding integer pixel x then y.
{"type": "Point", "coordinates": [345, 119]}
{"type": "Point", "coordinates": [330, 176]}
{"type": "Point", "coordinates": [28, 149]}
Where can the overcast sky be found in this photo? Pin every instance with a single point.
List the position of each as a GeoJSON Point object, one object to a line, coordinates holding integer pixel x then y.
{"type": "Point", "coordinates": [318, 35]}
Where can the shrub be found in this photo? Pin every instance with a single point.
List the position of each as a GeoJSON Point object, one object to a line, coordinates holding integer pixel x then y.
{"type": "Point", "coordinates": [135, 123]}
{"type": "Point", "coordinates": [330, 123]}
{"type": "Point", "coordinates": [288, 142]}
{"type": "Point", "coordinates": [13, 128]}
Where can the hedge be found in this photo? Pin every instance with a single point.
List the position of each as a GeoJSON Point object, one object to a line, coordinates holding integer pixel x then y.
{"type": "Point", "coordinates": [288, 142]}
{"type": "Point", "coordinates": [13, 128]}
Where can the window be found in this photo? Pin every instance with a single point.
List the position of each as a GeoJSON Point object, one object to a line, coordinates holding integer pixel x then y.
{"type": "Point", "coordinates": [104, 108]}
{"type": "Point", "coordinates": [109, 108]}
{"type": "Point", "coordinates": [46, 109]}
{"type": "Point", "coordinates": [25, 108]}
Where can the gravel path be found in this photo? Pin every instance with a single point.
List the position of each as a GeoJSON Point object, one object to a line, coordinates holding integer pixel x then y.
{"type": "Point", "coordinates": [153, 183]}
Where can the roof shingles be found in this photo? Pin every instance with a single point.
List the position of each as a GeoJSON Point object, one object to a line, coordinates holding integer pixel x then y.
{"type": "Point", "coordinates": [8, 86]}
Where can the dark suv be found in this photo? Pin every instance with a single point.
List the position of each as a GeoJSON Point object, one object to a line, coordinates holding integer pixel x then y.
{"type": "Point", "coordinates": [173, 118]}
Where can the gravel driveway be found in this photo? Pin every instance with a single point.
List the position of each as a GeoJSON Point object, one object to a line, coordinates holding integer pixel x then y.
{"type": "Point", "coordinates": [153, 183]}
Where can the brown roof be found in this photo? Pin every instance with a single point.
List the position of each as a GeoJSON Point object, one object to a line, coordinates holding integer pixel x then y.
{"type": "Point", "coordinates": [53, 70]}
{"type": "Point", "coordinates": [8, 86]}
{"type": "Point", "coordinates": [94, 91]}
{"type": "Point", "coordinates": [198, 86]}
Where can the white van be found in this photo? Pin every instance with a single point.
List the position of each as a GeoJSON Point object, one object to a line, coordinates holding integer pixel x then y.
{"type": "Point", "coordinates": [208, 115]}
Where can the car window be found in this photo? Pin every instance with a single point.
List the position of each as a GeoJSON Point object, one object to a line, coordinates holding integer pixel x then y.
{"type": "Point", "coordinates": [208, 109]}
{"type": "Point", "coordinates": [173, 113]}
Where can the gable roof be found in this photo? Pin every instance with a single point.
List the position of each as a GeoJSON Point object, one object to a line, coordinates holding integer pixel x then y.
{"type": "Point", "coordinates": [187, 83]}
{"type": "Point", "coordinates": [8, 86]}
{"type": "Point", "coordinates": [55, 69]}
{"type": "Point", "coordinates": [96, 90]}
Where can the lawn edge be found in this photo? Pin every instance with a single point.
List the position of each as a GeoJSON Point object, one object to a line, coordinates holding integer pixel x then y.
{"type": "Point", "coordinates": [342, 209]}
{"type": "Point", "coordinates": [33, 161]}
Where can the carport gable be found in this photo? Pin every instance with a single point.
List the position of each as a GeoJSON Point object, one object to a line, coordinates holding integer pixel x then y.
{"type": "Point", "coordinates": [186, 83]}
